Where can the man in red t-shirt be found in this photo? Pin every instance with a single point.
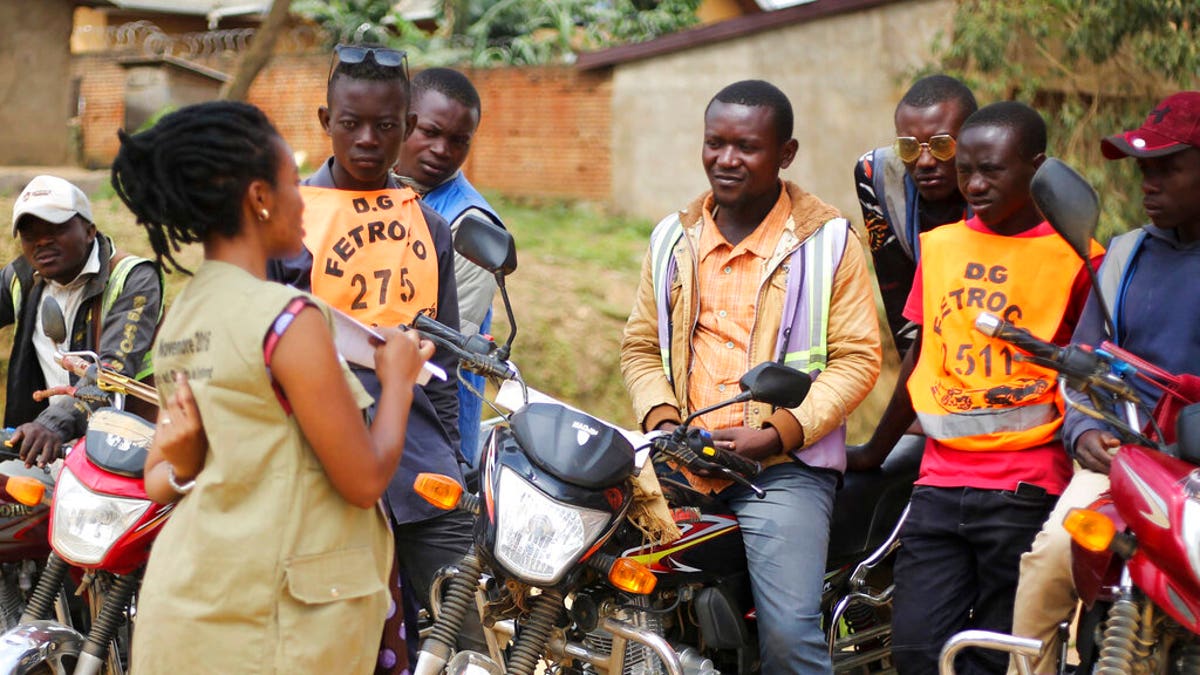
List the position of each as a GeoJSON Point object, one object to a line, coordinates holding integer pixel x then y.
{"type": "Point", "coordinates": [993, 465]}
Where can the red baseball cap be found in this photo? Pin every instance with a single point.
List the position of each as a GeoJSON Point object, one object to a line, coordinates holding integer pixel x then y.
{"type": "Point", "coordinates": [1172, 126]}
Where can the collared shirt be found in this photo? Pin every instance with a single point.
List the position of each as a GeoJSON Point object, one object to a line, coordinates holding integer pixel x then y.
{"type": "Point", "coordinates": [730, 278]}
{"type": "Point", "coordinates": [69, 297]}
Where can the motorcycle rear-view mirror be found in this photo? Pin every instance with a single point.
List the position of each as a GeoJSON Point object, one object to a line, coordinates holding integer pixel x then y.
{"type": "Point", "coordinates": [54, 326]}
{"type": "Point", "coordinates": [1072, 207]}
{"type": "Point", "coordinates": [487, 245]}
{"type": "Point", "coordinates": [1187, 433]}
{"type": "Point", "coordinates": [776, 384]}
{"type": "Point", "coordinates": [491, 247]}
{"type": "Point", "coordinates": [1068, 202]}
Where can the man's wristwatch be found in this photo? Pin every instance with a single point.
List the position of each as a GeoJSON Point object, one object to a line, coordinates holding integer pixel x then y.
{"type": "Point", "coordinates": [181, 488]}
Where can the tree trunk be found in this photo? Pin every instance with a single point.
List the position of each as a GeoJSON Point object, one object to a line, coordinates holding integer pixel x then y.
{"type": "Point", "coordinates": [258, 54]}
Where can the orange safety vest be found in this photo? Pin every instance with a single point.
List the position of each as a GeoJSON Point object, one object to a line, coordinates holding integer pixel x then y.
{"type": "Point", "coordinates": [969, 390]}
{"type": "Point", "coordinates": [373, 253]}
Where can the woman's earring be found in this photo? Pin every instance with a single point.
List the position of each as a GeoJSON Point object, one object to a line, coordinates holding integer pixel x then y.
{"type": "Point", "coordinates": [264, 215]}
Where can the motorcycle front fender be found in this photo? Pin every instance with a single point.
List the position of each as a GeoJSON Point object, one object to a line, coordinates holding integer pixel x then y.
{"type": "Point", "coordinates": [31, 645]}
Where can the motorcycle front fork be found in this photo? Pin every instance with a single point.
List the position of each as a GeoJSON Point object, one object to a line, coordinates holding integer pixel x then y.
{"type": "Point", "coordinates": [538, 632]}
{"type": "Point", "coordinates": [107, 609]}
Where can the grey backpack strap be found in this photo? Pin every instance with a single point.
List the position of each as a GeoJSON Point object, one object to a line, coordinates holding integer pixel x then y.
{"type": "Point", "coordinates": [888, 182]}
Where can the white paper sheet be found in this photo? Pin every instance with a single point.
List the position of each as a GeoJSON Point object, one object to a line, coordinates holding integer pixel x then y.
{"type": "Point", "coordinates": [354, 341]}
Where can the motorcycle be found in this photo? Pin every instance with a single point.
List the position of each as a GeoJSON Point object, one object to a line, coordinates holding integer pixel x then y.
{"type": "Point", "coordinates": [570, 592]}
{"type": "Point", "coordinates": [24, 530]}
{"type": "Point", "coordinates": [1136, 550]}
{"type": "Point", "coordinates": [704, 581]}
{"type": "Point", "coordinates": [101, 528]}
{"type": "Point", "coordinates": [544, 516]}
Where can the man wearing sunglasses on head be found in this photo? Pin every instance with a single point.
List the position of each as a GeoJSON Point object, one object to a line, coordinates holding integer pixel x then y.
{"type": "Point", "coordinates": [910, 187]}
{"type": "Point", "coordinates": [377, 253]}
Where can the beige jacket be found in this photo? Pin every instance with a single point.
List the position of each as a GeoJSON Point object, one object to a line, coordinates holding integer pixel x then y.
{"type": "Point", "coordinates": [853, 337]}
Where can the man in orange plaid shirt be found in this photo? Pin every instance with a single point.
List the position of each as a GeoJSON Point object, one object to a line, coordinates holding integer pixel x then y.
{"type": "Point", "coordinates": [759, 270]}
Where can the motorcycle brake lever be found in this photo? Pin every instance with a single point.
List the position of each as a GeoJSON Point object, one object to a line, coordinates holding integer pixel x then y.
{"type": "Point", "coordinates": [758, 492]}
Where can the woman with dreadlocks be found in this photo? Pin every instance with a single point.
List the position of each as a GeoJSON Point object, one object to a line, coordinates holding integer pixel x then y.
{"type": "Point", "coordinates": [277, 555]}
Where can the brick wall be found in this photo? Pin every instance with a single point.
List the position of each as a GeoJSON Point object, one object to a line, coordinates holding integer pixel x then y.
{"type": "Point", "coordinates": [102, 106]}
{"type": "Point", "coordinates": [289, 90]}
{"type": "Point", "coordinates": [545, 131]}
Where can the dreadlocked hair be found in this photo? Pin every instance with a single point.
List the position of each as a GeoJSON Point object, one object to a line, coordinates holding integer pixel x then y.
{"type": "Point", "coordinates": [185, 177]}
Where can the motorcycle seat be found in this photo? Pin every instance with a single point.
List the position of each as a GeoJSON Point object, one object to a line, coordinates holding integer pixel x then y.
{"type": "Point", "coordinates": [868, 506]}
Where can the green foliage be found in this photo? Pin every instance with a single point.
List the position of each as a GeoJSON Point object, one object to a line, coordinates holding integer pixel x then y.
{"type": "Point", "coordinates": [357, 21]}
{"type": "Point", "coordinates": [158, 115]}
{"type": "Point", "coordinates": [543, 31]}
{"type": "Point", "coordinates": [502, 32]}
{"type": "Point", "coordinates": [1091, 67]}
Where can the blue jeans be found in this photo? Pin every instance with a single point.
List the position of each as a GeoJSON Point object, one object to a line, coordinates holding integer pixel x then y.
{"type": "Point", "coordinates": [786, 536]}
{"type": "Point", "coordinates": [960, 551]}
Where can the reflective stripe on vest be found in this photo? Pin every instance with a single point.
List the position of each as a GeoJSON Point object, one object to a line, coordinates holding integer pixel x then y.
{"type": "Point", "coordinates": [811, 287]}
{"type": "Point", "coordinates": [116, 284]}
{"type": "Point", "coordinates": [15, 290]}
{"type": "Point", "coordinates": [891, 193]}
{"type": "Point", "coordinates": [803, 330]}
{"type": "Point", "coordinates": [974, 422]}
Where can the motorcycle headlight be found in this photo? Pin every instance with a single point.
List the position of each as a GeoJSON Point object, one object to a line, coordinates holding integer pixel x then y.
{"type": "Point", "coordinates": [87, 524]}
{"type": "Point", "coordinates": [537, 538]}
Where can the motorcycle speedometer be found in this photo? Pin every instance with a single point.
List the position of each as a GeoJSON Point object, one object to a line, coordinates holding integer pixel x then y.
{"type": "Point", "coordinates": [537, 537]}
{"type": "Point", "coordinates": [84, 524]}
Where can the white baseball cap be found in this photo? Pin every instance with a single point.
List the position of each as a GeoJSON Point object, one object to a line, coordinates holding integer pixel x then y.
{"type": "Point", "coordinates": [52, 199]}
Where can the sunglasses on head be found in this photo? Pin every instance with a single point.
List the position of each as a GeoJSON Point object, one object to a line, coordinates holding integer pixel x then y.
{"type": "Point", "coordinates": [383, 56]}
{"type": "Point", "coordinates": [909, 149]}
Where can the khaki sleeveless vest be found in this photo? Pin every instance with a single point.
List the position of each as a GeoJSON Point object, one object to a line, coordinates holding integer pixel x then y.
{"type": "Point", "coordinates": [263, 567]}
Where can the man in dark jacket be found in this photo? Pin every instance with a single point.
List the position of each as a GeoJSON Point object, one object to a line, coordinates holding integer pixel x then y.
{"type": "Point", "coordinates": [910, 187]}
{"type": "Point", "coordinates": [111, 302]}
{"type": "Point", "coordinates": [376, 252]}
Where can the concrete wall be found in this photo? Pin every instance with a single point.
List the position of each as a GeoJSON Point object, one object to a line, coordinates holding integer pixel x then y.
{"type": "Point", "coordinates": [35, 89]}
{"type": "Point", "coordinates": [843, 74]}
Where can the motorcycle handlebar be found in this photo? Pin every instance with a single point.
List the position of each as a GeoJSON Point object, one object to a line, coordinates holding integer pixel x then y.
{"type": "Point", "coordinates": [693, 449]}
{"type": "Point", "coordinates": [701, 442]}
{"type": "Point", "coordinates": [993, 326]}
{"type": "Point", "coordinates": [107, 379]}
{"type": "Point", "coordinates": [1083, 368]}
{"type": "Point", "coordinates": [474, 355]}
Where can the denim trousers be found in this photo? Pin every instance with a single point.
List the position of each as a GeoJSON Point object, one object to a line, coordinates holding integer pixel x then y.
{"type": "Point", "coordinates": [960, 552]}
{"type": "Point", "coordinates": [786, 536]}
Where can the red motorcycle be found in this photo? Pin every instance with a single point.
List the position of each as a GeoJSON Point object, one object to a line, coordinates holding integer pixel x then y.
{"type": "Point", "coordinates": [101, 528]}
{"type": "Point", "coordinates": [24, 531]}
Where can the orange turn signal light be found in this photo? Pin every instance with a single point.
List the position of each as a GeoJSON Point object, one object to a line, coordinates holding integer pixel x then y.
{"type": "Point", "coordinates": [632, 576]}
{"type": "Point", "coordinates": [26, 490]}
{"type": "Point", "coordinates": [437, 489]}
{"type": "Point", "coordinates": [1090, 529]}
